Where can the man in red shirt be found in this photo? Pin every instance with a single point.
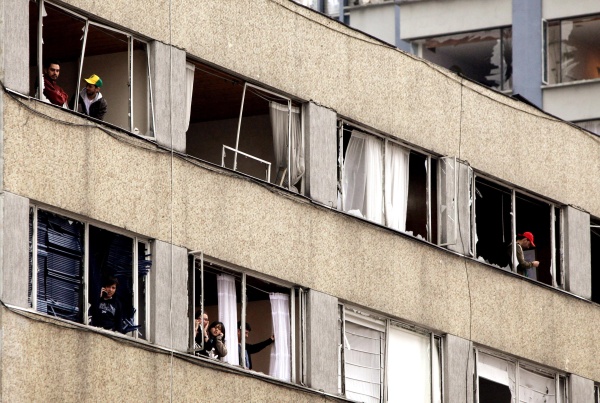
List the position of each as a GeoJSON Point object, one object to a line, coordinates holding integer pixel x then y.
{"type": "Point", "coordinates": [52, 91]}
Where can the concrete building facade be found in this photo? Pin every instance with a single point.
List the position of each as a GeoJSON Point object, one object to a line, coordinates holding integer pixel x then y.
{"type": "Point", "coordinates": [263, 164]}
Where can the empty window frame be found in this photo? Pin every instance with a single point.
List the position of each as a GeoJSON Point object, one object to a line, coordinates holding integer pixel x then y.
{"type": "Point", "coordinates": [84, 47]}
{"type": "Point", "coordinates": [70, 258]}
{"type": "Point", "coordinates": [246, 128]}
{"type": "Point", "coordinates": [572, 49]}
{"type": "Point", "coordinates": [483, 56]}
{"type": "Point", "coordinates": [386, 182]}
{"type": "Point", "coordinates": [590, 125]}
{"type": "Point", "coordinates": [501, 379]}
{"type": "Point", "coordinates": [233, 296]}
{"type": "Point", "coordinates": [500, 214]}
{"type": "Point", "coordinates": [384, 360]}
{"type": "Point", "coordinates": [595, 258]}
{"type": "Point", "coordinates": [596, 393]}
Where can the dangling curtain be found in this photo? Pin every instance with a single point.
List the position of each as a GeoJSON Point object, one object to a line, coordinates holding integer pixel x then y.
{"type": "Point", "coordinates": [228, 315]}
{"type": "Point", "coordinates": [279, 126]}
{"type": "Point", "coordinates": [281, 358]}
{"type": "Point", "coordinates": [363, 177]}
{"type": "Point", "coordinates": [396, 186]}
{"type": "Point", "coordinates": [189, 90]}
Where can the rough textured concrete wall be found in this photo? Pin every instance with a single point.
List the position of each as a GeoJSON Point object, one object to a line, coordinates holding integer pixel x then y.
{"type": "Point", "coordinates": [169, 297]}
{"type": "Point", "coordinates": [407, 98]}
{"type": "Point", "coordinates": [581, 389]}
{"type": "Point", "coordinates": [458, 370]}
{"type": "Point", "coordinates": [14, 249]}
{"type": "Point", "coordinates": [322, 342]}
{"type": "Point", "coordinates": [577, 252]}
{"type": "Point", "coordinates": [321, 153]}
{"type": "Point", "coordinates": [14, 39]}
{"type": "Point", "coordinates": [75, 365]}
{"type": "Point", "coordinates": [167, 69]}
{"type": "Point", "coordinates": [236, 220]}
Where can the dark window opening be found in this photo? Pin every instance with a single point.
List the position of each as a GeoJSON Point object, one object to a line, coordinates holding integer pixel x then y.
{"type": "Point", "coordinates": [595, 252]}
{"type": "Point", "coordinates": [493, 392]}
{"type": "Point", "coordinates": [262, 150]}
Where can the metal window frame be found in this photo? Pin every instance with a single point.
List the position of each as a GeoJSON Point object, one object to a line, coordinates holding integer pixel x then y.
{"type": "Point", "coordinates": [454, 216]}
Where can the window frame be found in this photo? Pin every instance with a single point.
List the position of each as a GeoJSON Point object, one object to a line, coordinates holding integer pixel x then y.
{"type": "Point", "coordinates": [151, 119]}
{"type": "Point", "coordinates": [34, 208]}
{"type": "Point", "coordinates": [297, 365]}
{"type": "Point", "coordinates": [359, 315]}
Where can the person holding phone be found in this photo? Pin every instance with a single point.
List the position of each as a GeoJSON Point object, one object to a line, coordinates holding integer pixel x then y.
{"type": "Point", "coordinates": [108, 313]}
{"type": "Point", "coordinates": [214, 341]}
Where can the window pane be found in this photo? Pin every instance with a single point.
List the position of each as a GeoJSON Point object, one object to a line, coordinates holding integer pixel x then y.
{"type": "Point", "coordinates": [144, 266]}
{"type": "Point", "coordinates": [409, 366]}
{"type": "Point", "coordinates": [553, 52]}
{"type": "Point", "coordinates": [496, 378]}
{"type": "Point", "coordinates": [536, 388]}
{"type": "Point", "coordinates": [141, 92]}
{"type": "Point", "coordinates": [591, 125]}
{"type": "Point", "coordinates": [580, 49]}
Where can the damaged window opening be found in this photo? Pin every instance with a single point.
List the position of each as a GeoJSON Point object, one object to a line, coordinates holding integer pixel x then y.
{"type": "Point", "coordinates": [572, 50]}
{"type": "Point", "coordinates": [385, 182]}
{"type": "Point", "coordinates": [84, 48]}
{"type": "Point", "coordinates": [596, 393]}
{"type": "Point", "coordinates": [595, 258]}
{"type": "Point", "coordinates": [269, 312]}
{"type": "Point", "coordinates": [69, 263]}
{"type": "Point", "coordinates": [244, 127]}
{"type": "Point", "coordinates": [501, 214]}
{"type": "Point", "coordinates": [483, 56]}
{"type": "Point", "coordinates": [382, 360]}
{"type": "Point", "coordinates": [504, 380]}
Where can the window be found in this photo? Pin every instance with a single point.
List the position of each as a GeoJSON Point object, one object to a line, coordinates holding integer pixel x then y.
{"type": "Point", "coordinates": [384, 360]}
{"type": "Point", "coordinates": [85, 47]}
{"type": "Point", "coordinates": [572, 50]}
{"type": "Point", "coordinates": [387, 183]}
{"type": "Point", "coordinates": [595, 254]}
{"type": "Point", "coordinates": [501, 214]}
{"type": "Point", "coordinates": [596, 393]}
{"type": "Point", "coordinates": [503, 380]}
{"type": "Point", "coordinates": [262, 138]}
{"type": "Point", "coordinates": [483, 56]}
{"type": "Point", "coordinates": [234, 297]}
{"type": "Point", "coordinates": [69, 260]}
{"type": "Point", "coordinates": [590, 125]}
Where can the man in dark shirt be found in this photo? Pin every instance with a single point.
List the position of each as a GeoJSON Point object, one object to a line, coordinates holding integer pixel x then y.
{"type": "Point", "coordinates": [52, 91]}
{"type": "Point", "coordinates": [107, 313]}
{"type": "Point", "coordinates": [91, 102]}
{"type": "Point", "coordinates": [251, 348]}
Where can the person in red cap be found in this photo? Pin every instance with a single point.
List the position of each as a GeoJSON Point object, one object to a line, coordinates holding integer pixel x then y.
{"type": "Point", "coordinates": [91, 102]}
{"type": "Point", "coordinates": [524, 241]}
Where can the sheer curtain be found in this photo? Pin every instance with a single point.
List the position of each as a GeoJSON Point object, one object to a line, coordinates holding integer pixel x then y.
{"type": "Point", "coordinates": [409, 367]}
{"type": "Point", "coordinates": [228, 315]}
{"type": "Point", "coordinates": [396, 186]}
{"type": "Point", "coordinates": [279, 125]}
{"type": "Point", "coordinates": [363, 177]}
{"type": "Point", "coordinates": [189, 90]}
{"type": "Point", "coordinates": [281, 358]}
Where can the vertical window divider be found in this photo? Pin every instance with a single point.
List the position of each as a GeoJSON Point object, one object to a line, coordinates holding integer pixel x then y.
{"type": "Point", "coordinates": [293, 334]}
{"type": "Point", "coordinates": [475, 375]}
{"type": "Point", "coordinates": [34, 259]}
{"type": "Point", "coordinates": [428, 197]}
{"type": "Point", "coordinates": [242, 351]}
{"type": "Point", "coordinates": [553, 247]}
{"type": "Point", "coordinates": [385, 358]}
{"type": "Point", "coordinates": [150, 92]}
{"type": "Point", "coordinates": [289, 147]}
{"type": "Point", "coordinates": [83, 46]}
{"type": "Point", "coordinates": [557, 388]}
{"type": "Point", "coordinates": [303, 357]}
{"type": "Point", "coordinates": [341, 164]}
{"type": "Point", "coordinates": [237, 143]}
{"type": "Point", "coordinates": [513, 230]}
{"type": "Point", "coordinates": [517, 380]}
{"type": "Point", "coordinates": [342, 348]}
{"type": "Point", "coordinates": [202, 294]}
{"type": "Point", "coordinates": [40, 54]}
{"type": "Point", "coordinates": [431, 363]}
{"type": "Point", "coordinates": [502, 62]}
{"type": "Point", "coordinates": [383, 179]}
{"type": "Point", "coordinates": [136, 294]}
{"type": "Point", "coordinates": [130, 72]}
{"type": "Point", "coordinates": [86, 273]}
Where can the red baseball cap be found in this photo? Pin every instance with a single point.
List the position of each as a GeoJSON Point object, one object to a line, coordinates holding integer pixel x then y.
{"type": "Point", "coordinates": [529, 236]}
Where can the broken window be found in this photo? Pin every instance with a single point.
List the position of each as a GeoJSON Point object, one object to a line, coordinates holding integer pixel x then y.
{"type": "Point", "coordinates": [483, 56]}
{"type": "Point", "coordinates": [384, 360]}
{"type": "Point", "coordinates": [246, 128]}
{"type": "Point", "coordinates": [595, 255]}
{"type": "Point", "coordinates": [69, 260]}
{"type": "Point", "coordinates": [590, 125]}
{"type": "Point", "coordinates": [572, 49]}
{"type": "Point", "coordinates": [387, 183]}
{"type": "Point", "coordinates": [503, 380]}
{"type": "Point", "coordinates": [234, 298]}
{"type": "Point", "coordinates": [596, 393]}
{"type": "Point", "coordinates": [84, 47]}
{"type": "Point", "coordinates": [501, 214]}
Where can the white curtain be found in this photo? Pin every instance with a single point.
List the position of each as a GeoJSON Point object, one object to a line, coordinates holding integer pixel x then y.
{"type": "Point", "coordinates": [363, 177]}
{"type": "Point", "coordinates": [189, 90]}
{"type": "Point", "coordinates": [228, 315]}
{"type": "Point", "coordinates": [280, 365]}
{"type": "Point", "coordinates": [536, 388]}
{"type": "Point", "coordinates": [279, 126]}
{"type": "Point", "coordinates": [396, 186]}
{"type": "Point", "coordinates": [409, 367]}
{"type": "Point", "coordinates": [497, 370]}
{"type": "Point", "coordinates": [363, 354]}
